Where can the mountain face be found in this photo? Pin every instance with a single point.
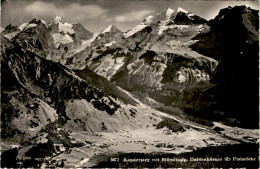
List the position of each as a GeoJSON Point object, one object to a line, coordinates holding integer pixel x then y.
{"type": "Point", "coordinates": [155, 58]}
{"type": "Point", "coordinates": [10, 31]}
{"type": "Point", "coordinates": [170, 57]}
{"type": "Point", "coordinates": [222, 40]}
{"type": "Point", "coordinates": [55, 41]}
{"type": "Point", "coordinates": [108, 36]}
{"type": "Point", "coordinates": [53, 85]}
{"type": "Point", "coordinates": [68, 91]}
{"type": "Point", "coordinates": [234, 40]}
{"type": "Point", "coordinates": [40, 96]}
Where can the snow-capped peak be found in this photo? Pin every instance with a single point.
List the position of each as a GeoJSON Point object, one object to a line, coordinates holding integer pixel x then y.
{"type": "Point", "coordinates": [63, 26]}
{"type": "Point", "coordinates": [164, 16]}
{"type": "Point", "coordinates": [108, 29]}
{"type": "Point", "coordinates": [169, 12]}
{"type": "Point", "coordinates": [149, 19]}
{"type": "Point", "coordinates": [57, 19]}
{"type": "Point", "coordinates": [182, 10]}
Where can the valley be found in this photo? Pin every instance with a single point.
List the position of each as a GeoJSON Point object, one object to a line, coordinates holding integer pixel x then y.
{"type": "Point", "coordinates": [145, 138]}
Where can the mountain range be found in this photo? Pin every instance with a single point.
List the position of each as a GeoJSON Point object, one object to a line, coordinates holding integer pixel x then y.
{"type": "Point", "coordinates": [60, 80]}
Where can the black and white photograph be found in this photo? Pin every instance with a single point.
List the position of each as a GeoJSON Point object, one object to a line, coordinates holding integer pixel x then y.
{"type": "Point", "coordinates": [129, 84]}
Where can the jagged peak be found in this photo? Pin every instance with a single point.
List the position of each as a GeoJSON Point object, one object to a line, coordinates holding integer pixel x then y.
{"type": "Point", "coordinates": [182, 10]}
{"type": "Point", "coordinates": [57, 19]}
{"type": "Point", "coordinates": [148, 19]}
{"type": "Point", "coordinates": [35, 20]}
{"type": "Point", "coordinates": [10, 26]}
{"type": "Point", "coordinates": [236, 12]}
{"type": "Point", "coordinates": [165, 15]}
{"type": "Point", "coordinates": [110, 28]}
{"type": "Point", "coordinates": [32, 22]}
{"type": "Point", "coordinates": [169, 11]}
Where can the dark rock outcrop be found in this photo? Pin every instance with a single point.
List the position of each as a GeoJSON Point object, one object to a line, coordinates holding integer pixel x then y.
{"type": "Point", "coordinates": [234, 40]}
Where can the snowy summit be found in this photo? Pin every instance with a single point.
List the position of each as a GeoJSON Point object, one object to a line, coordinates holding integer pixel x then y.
{"type": "Point", "coordinates": [108, 29]}
{"type": "Point", "coordinates": [182, 10]}
{"type": "Point", "coordinates": [169, 12]}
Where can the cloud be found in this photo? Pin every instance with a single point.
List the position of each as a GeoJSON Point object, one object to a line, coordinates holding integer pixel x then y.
{"type": "Point", "coordinates": [133, 16]}
{"type": "Point", "coordinates": [72, 11]}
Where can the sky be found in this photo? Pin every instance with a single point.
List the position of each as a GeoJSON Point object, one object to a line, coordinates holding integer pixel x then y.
{"type": "Point", "coordinates": [96, 15]}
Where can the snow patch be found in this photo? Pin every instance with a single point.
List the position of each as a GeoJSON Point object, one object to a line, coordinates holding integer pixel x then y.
{"type": "Point", "coordinates": [134, 30]}
{"type": "Point", "coordinates": [186, 74]}
{"type": "Point", "coordinates": [110, 44]}
{"type": "Point", "coordinates": [33, 129]}
{"type": "Point", "coordinates": [32, 25]}
{"type": "Point", "coordinates": [63, 26]}
{"type": "Point", "coordinates": [190, 15]}
{"type": "Point", "coordinates": [200, 26]}
{"type": "Point", "coordinates": [109, 66]}
{"type": "Point", "coordinates": [15, 146]}
{"type": "Point", "coordinates": [87, 43]}
{"type": "Point", "coordinates": [169, 12]}
{"type": "Point", "coordinates": [181, 26]}
{"type": "Point", "coordinates": [21, 27]}
{"type": "Point", "coordinates": [222, 17]}
{"type": "Point", "coordinates": [119, 62]}
{"type": "Point", "coordinates": [162, 27]}
{"type": "Point", "coordinates": [181, 78]}
{"type": "Point", "coordinates": [182, 10]}
{"type": "Point", "coordinates": [11, 35]}
{"type": "Point", "coordinates": [42, 21]}
{"type": "Point", "coordinates": [61, 39]}
{"type": "Point", "coordinates": [149, 19]}
{"type": "Point", "coordinates": [66, 28]}
{"type": "Point", "coordinates": [57, 19]}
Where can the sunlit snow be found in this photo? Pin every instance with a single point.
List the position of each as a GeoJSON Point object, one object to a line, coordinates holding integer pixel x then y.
{"type": "Point", "coordinates": [108, 29]}
{"type": "Point", "coordinates": [182, 10]}
{"type": "Point", "coordinates": [61, 39]}
{"type": "Point", "coordinates": [134, 30]}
